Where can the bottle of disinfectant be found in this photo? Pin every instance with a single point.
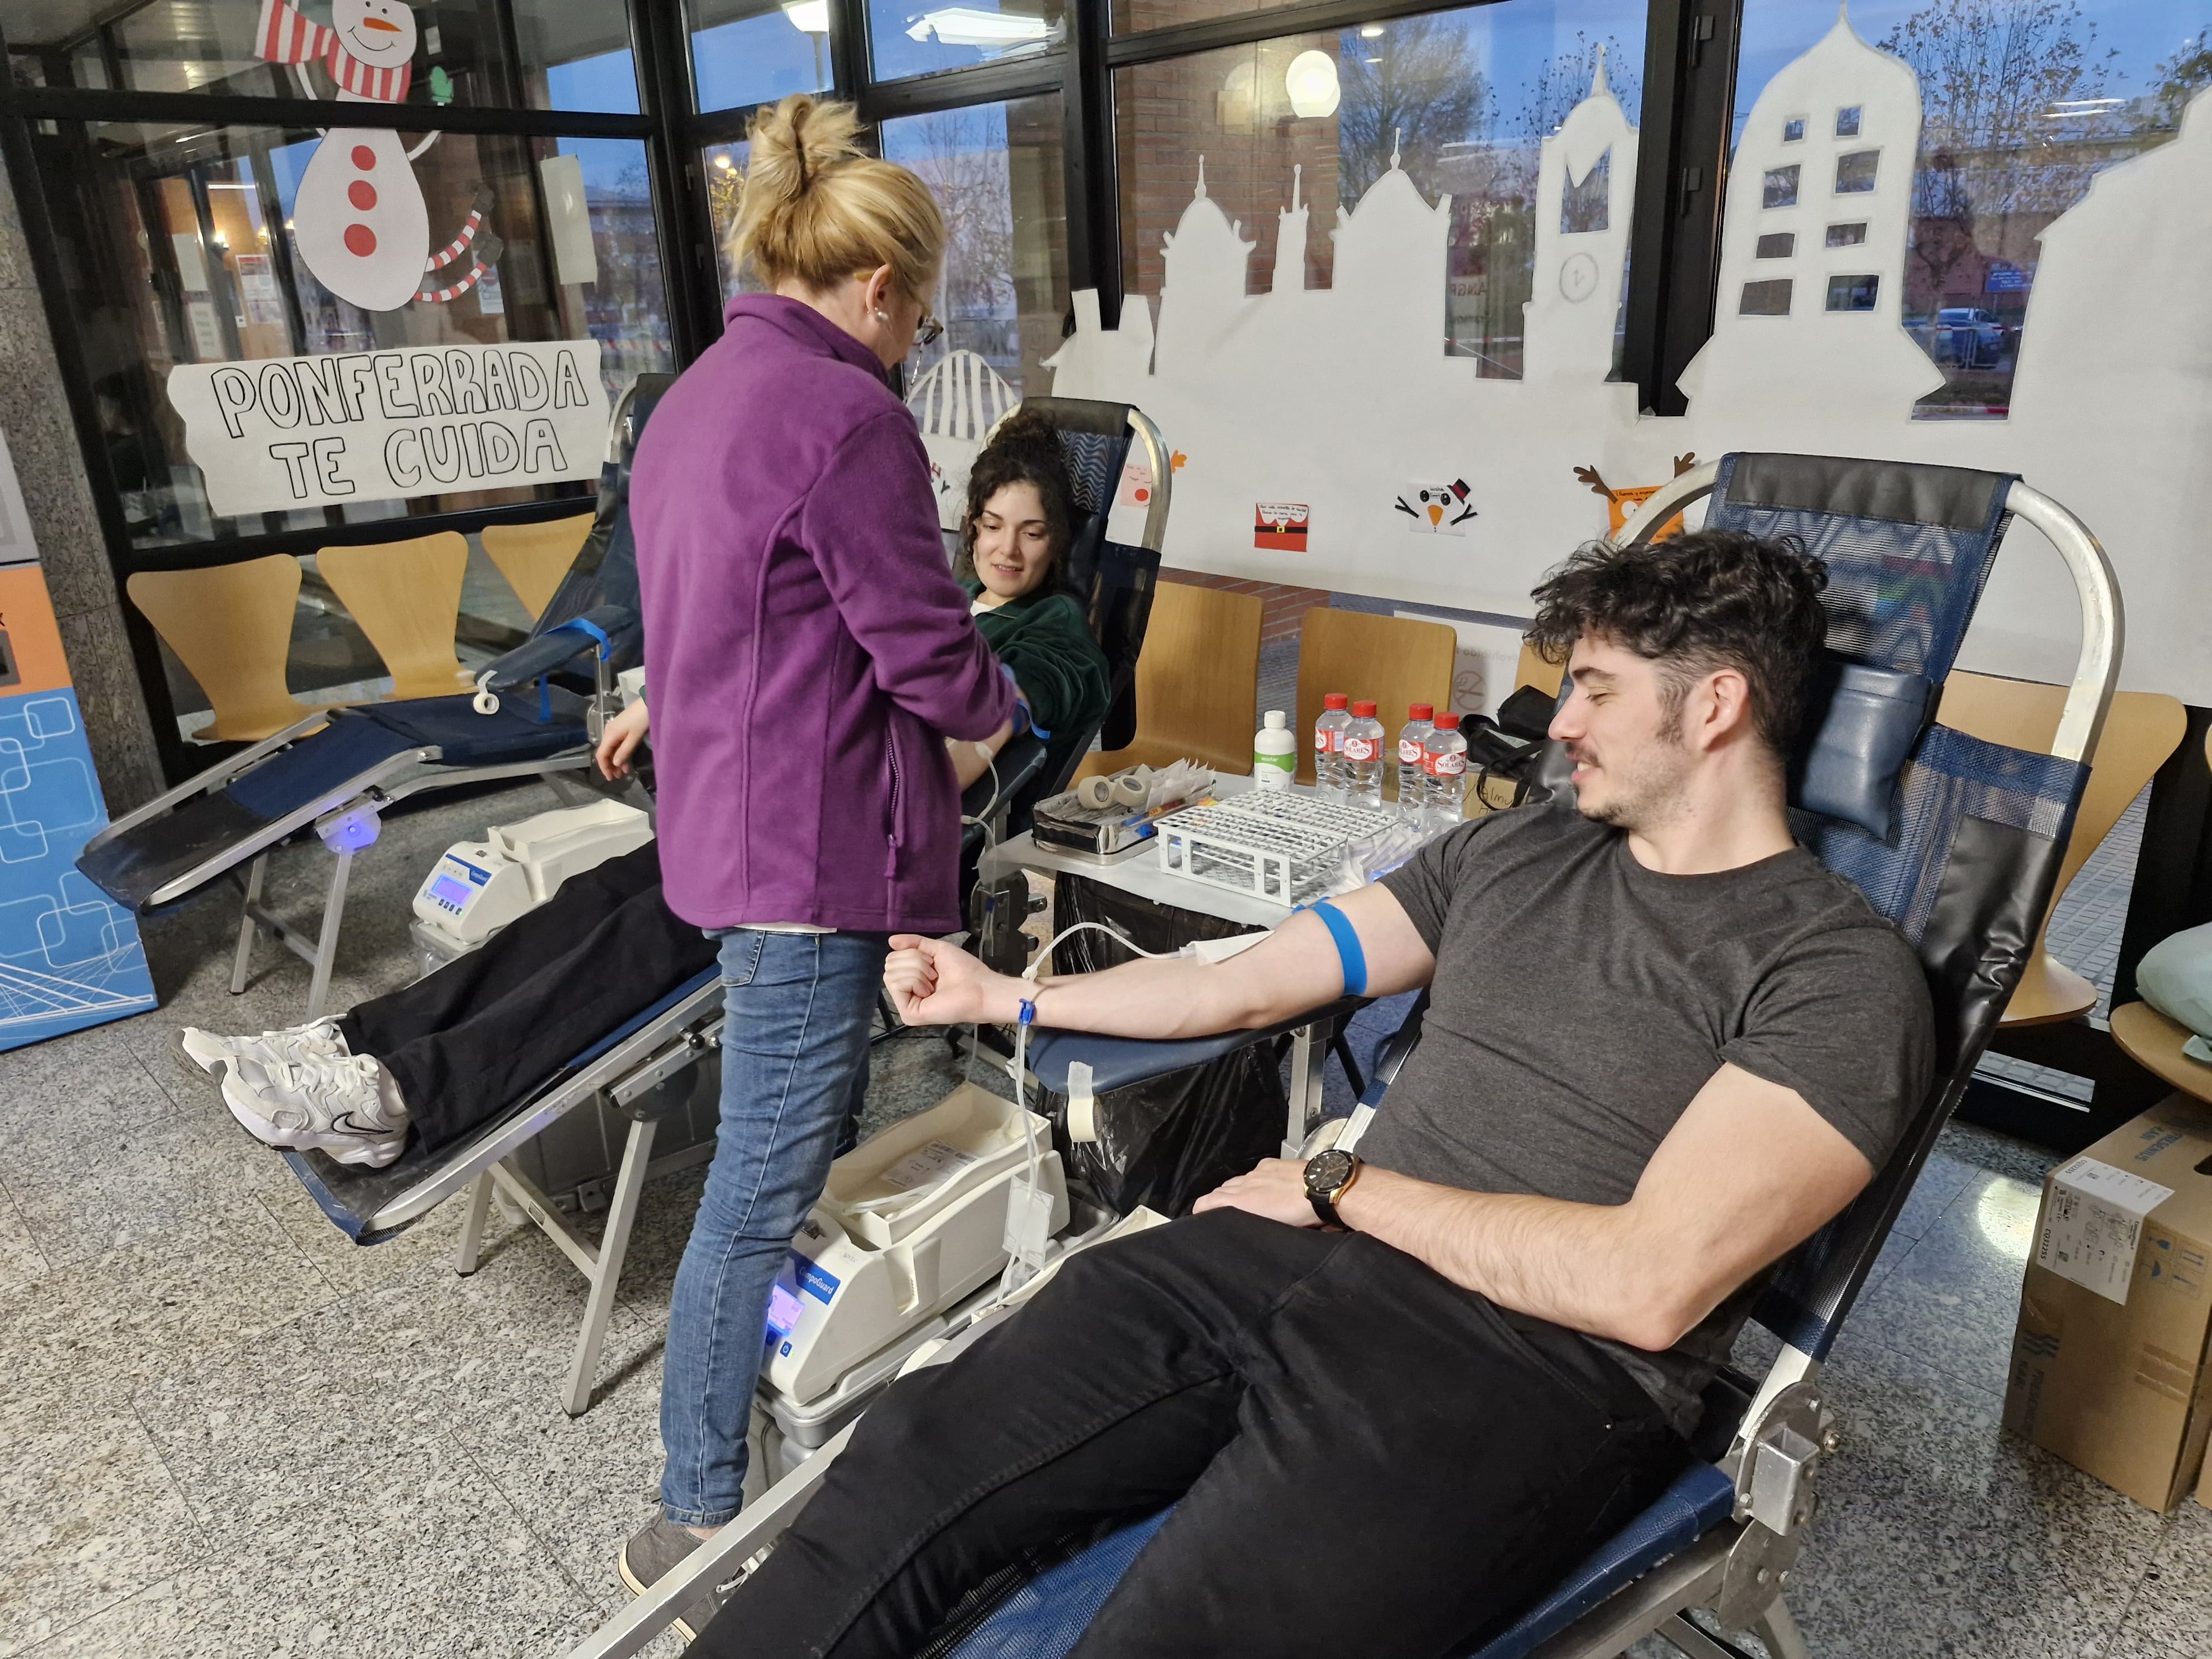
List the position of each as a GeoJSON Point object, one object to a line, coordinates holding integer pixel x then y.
{"type": "Point", "coordinates": [1274, 753]}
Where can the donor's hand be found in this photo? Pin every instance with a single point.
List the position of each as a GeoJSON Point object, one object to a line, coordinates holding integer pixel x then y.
{"type": "Point", "coordinates": [620, 740]}
{"type": "Point", "coordinates": [934, 983]}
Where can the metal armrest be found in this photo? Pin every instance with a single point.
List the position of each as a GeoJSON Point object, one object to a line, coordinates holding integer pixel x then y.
{"type": "Point", "coordinates": [1116, 1062]}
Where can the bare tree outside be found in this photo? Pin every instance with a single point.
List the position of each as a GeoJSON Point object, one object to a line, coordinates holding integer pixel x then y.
{"type": "Point", "coordinates": [961, 155]}
{"type": "Point", "coordinates": [1414, 89]}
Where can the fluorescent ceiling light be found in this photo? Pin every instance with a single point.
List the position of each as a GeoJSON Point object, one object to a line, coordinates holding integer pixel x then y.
{"type": "Point", "coordinates": [965, 26]}
{"type": "Point", "coordinates": [1311, 83]}
{"type": "Point", "coordinates": [808, 17]}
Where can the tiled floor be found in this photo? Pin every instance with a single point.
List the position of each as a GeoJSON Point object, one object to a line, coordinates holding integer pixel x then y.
{"type": "Point", "coordinates": [228, 1432]}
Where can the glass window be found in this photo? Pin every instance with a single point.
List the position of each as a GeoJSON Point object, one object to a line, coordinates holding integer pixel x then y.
{"type": "Point", "coordinates": [997, 172]}
{"type": "Point", "coordinates": [914, 36]}
{"type": "Point", "coordinates": [229, 244]}
{"type": "Point", "coordinates": [755, 52]}
{"type": "Point", "coordinates": [1770, 298]}
{"type": "Point", "coordinates": [1855, 173]}
{"type": "Point", "coordinates": [1781, 190]}
{"type": "Point", "coordinates": [2022, 106]}
{"type": "Point", "coordinates": [491, 54]}
{"type": "Point", "coordinates": [1295, 130]}
{"type": "Point", "coordinates": [1853, 293]}
{"type": "Point", "coordinates": [1777, 245]}
{"type": "Point", "coordinates": [1793, 130]}
{"type": "Point", "coordinates": [725, 175]}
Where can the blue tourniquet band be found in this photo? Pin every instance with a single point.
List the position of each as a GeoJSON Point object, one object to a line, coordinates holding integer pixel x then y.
{"type": "Point", "coordinates": [1348, 953]}
{"type": "Point", "coordinates": [1025, 718]}
{"type": "Point", "coordinates": [578, 625]}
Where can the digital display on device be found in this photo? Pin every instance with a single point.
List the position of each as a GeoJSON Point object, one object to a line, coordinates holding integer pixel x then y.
{"type": "Point", "coordinates": [451, 891]}
{"type": "Point", "coordinates": [783, 1308]}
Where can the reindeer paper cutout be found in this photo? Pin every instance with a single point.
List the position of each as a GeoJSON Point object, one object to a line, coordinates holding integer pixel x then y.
{"type": "Point", "coordinates": [1619, 502]}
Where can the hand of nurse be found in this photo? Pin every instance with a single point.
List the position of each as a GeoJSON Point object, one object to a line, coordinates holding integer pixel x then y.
{"type": "Point", "coordinates": [934, 983]}
{"type": "Point", "coordinates": [620, 740]}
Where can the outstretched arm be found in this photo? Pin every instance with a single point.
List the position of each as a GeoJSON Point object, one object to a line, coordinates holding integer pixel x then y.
{"type": "Point", "coordinates": [1295, 969]}
{"type": "Point", "coordinates": [1748, 1172]}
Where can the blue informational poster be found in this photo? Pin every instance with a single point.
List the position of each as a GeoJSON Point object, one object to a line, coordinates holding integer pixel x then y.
{"type": "Point", "coordinates": [68, 957]}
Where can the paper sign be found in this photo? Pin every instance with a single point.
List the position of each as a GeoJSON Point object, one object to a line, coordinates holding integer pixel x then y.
{"type": "Point", "coordinates": [284, 431]}
{"type": "Point", "coordinates": [1280, 526]}
{"type": "Point", "coordinates": [2091, 1223]}
{"type": "Point", "coordinates": [1436, 509]}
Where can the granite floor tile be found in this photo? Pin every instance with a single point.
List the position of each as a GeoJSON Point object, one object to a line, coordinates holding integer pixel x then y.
{"type": "Point", "coordinates": [90, 1516]}
{"type": "Point", "coordinates": [1999, 1154]}
{"type": "Point", "coordinates": [1937, 1534]}
{"type": "Point", "coordinates": [2173, 1606]}
{"type": "Point", "coordinates": [21, 1258]}
{"type": "Point", "coordinates": [1952, 1299]}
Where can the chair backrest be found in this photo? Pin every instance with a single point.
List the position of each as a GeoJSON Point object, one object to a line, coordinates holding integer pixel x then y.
{"type": "Point", "coordinates": [406, 597]}
{"type": "Point", "coordinates": [1978, 830]}
{"type": "Point", "coordinates": [231, 627]}
{"type": "Point", "coordinates": [1094, 446]}
{"type": "Point", "coordinates": [1196, 676]}
{"type": "Point", "coordinates": [534, 557]}
{"type": "Point", "coordinates": [1396, 660]}
{"type": "Point", "coordinates": [2143, 729]}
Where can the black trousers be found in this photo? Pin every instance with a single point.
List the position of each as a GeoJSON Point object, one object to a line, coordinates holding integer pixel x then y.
{"type": "Point", "coordinates": [1366, 1460]}
{"type": "Point", "coordinates": [465, 1042]}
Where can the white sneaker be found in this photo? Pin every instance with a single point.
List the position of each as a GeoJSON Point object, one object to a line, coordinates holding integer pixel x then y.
{"type": "Point", "coordinates": [317, 1040]}
{"type": "Point", "coordinates": [346, 1106]}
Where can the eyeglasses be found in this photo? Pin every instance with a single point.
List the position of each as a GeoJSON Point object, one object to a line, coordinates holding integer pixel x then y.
{"type": "Point", "coordinates": [927, 332]}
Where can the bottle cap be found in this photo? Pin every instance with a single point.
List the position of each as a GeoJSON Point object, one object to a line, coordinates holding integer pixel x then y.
{"type": "Point", "coordinates": [1448, 721]}
{"type": "Point", "coordinates": [1334, 700]}
{"type": "Point", "coordinates": [1364, 710]}
{"type": "Point", "coordinates": [1274, 720]}
{"type": "Point", "coordinates": [1421, 711]}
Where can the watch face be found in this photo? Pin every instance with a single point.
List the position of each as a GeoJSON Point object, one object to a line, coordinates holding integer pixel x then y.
{"type": "Point", "coordinates": [1327, 1172]}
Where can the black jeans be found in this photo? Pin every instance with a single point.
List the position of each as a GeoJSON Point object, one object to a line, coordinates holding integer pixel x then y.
{"type": "Point", "coordinates": [1365, 1459]}
{"type": "Point", "coordinates": [467, 1042]}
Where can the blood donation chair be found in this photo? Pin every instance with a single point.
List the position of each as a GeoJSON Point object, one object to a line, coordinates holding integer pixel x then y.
{"type": "Point", "coordinates": [646, 1069]}
{"type": "Point", "coordinates": [1956, 839]}
{"type": "Point", "coordinates": [339, 771]}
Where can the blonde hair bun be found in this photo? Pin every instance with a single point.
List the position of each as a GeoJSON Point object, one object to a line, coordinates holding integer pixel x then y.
{"type": "Point", "coordinates": [816, 209]}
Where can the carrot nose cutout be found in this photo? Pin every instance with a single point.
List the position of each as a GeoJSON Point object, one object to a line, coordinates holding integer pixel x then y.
{"type": "Point", "coordinates": [379, 23]}
{"type": "Point", "coordinates": [1436, 513]}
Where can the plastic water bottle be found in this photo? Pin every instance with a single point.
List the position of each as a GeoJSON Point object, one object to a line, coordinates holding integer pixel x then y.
{"type": "Point", "coordinates": [1362, 758]}
{"type": "Point", "coordinates": [1444, 761]}
{"type": "Point", "coordinates": [1328, 745]}
{"type": "Point", "coordinates": [1419, 722]}
{"type": "Point", "coordinates": [1274, 753]}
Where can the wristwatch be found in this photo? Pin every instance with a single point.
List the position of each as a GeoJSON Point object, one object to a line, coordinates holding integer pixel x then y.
{"type": "Point", "coordinates": [1329, 1175]}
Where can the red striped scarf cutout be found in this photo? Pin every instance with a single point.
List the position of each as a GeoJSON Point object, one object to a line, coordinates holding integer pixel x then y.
{"type": "Point", "coordinates": [284, 36]}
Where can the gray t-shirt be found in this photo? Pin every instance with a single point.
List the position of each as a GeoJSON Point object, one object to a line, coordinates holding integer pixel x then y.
{"type": "Point", "coordinates": [1581, 1000]}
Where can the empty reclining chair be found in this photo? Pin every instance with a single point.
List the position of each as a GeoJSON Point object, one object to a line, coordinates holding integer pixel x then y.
{"type": "Point", "coordinates": [338, 775]}
{"type": "Point", "coordinates": [1956, 839]}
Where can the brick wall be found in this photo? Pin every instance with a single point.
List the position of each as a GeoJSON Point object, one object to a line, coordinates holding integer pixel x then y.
{"type": "Point", "coordinates": [1284, 606]}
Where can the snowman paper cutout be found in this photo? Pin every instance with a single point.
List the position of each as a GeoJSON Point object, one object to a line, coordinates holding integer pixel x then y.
{"type": "Point", "coordinates": [359, 220]}
{"type": "Point", "coordinates": [1436, 509]}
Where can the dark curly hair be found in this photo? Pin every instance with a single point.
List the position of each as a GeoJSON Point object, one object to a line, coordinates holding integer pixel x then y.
{"type": "Point", "coordinates": [1025, 449]}
{"type": "Point", "coordinates": [1708, 599]}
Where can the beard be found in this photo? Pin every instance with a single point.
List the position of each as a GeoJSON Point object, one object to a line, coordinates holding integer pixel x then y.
{"type": "Point", "coordinates": [1644, 788]}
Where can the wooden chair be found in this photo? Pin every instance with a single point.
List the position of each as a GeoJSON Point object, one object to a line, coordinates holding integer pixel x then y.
{"type": "Point", "coordinates": [1533, 670]}
{"type": "Point", "coordinates": [534, 557]}
{"type": "Point", "coordinates": [1197, 678]}
{"type": "Point", "coordinates": [1394, 660]}
{"type": "Point", "coordinates": [2142, 730]}
{"type": "Point", "coordinates": [231, 627]}
{"type": "Point", "coordinates": [406, 597]}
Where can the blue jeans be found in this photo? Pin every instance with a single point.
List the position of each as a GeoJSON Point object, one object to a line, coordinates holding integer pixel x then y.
{"type": "Point", "coordinates": [794, 1071]}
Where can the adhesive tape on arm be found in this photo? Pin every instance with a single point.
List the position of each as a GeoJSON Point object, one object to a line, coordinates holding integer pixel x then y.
{"type": "Point", "coordinates": [1081, 1104]}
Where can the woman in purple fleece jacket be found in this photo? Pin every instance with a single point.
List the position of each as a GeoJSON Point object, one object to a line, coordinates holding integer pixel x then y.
{"type": "Point", "coordinates": [809, 654]}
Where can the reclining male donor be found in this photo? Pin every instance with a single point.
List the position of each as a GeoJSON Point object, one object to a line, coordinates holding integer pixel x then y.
{"type": "Point", "coordinates": [1395, 1395]}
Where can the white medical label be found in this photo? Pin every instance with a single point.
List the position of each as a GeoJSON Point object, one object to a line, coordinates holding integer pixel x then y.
{"type": "Point", "coordinates": [1029, 1223]}
{"type": "Point", "coordinates": [925, 1166]}
{"type": "Point", "coordinates": [2091, 1223]}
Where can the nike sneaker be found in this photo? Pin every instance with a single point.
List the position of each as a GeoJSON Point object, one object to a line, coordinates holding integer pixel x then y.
{"type": "Point", "coordinates": [344, 1105]}
{"type": "Point", "coordinates": [317, 1039]}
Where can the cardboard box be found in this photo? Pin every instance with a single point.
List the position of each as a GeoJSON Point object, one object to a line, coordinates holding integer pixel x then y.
{"type": "Point", "coordinates": [2108, 1361]}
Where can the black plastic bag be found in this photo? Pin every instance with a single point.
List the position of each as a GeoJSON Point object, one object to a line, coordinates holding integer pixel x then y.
{"type": "Point", "coordinates": [1168, 1142]}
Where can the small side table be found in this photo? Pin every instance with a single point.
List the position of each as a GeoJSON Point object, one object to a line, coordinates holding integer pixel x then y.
{"type": "Point", "coordinates": [2154, 1042]}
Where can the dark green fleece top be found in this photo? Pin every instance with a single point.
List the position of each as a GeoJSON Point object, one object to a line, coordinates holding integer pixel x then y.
{"type": "Point", "coordinates": [1044, 639]}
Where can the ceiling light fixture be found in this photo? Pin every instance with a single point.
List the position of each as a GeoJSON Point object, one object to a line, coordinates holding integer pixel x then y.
{"type": "Point", "coordinates": [1312, 84]}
